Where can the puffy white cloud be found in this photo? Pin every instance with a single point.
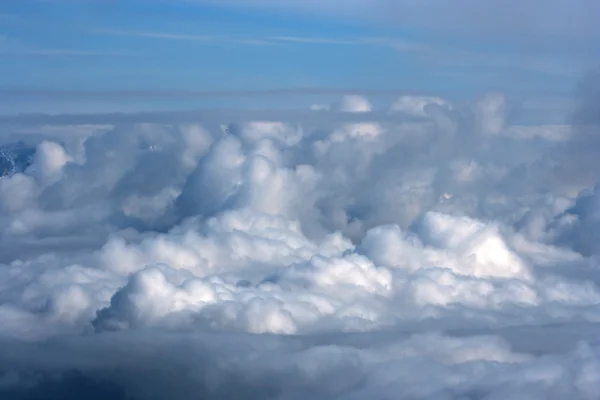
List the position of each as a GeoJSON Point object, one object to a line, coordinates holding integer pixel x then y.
{"type": "Point", "coordinates": [465, 246]}
{"type": "Point", "coordinates": [50, 159]}
{"type": "Point", "coordinates": [437, 259]}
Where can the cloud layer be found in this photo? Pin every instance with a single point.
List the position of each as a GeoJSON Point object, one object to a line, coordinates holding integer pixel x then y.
{"type": "Point", "coordinates": [437, 254]}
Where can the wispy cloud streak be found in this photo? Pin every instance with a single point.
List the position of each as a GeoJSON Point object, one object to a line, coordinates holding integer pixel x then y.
{"type": "Point", "coordinates": [184, 37]}
{"type": "Point", "coordinates": [547, 64]}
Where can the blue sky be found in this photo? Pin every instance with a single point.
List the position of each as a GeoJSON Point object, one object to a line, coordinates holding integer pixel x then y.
{"type": "Point", "coordinates": [151, 45]}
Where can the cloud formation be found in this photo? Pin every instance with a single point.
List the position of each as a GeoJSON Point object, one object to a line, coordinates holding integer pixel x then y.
{"type": "Point", "coordinates": [431, 255]}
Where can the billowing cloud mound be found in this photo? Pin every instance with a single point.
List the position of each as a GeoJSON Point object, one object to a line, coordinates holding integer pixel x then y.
{"type": "Point", "coordinates": [440, 259]}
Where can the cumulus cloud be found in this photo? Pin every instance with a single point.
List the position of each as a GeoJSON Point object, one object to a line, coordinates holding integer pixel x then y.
{"type": "Point", "coordinates": [435, 258]}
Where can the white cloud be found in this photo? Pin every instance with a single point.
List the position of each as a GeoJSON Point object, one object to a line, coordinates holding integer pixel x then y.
{"type": "Point", "coordinates": [438, 258]}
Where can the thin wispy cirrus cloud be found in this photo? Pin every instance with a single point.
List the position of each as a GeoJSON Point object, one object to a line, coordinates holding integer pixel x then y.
{"type": "Point", "coordinates": [353, 239]}
{"type": "Point", "coordinates": [527, 26]}
{"type": "Point", "coordinates": [266, 40]}
{"type": "Point", "coordinates": [207, 39]}
{"type": "Point", "coordinates": [447, 55]}
{"type": "Point", "coordinates": [508, 19]}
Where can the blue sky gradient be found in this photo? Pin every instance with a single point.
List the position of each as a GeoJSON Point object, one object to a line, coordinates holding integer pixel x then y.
{"type": "Point", "coordinates": [201, 45]}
